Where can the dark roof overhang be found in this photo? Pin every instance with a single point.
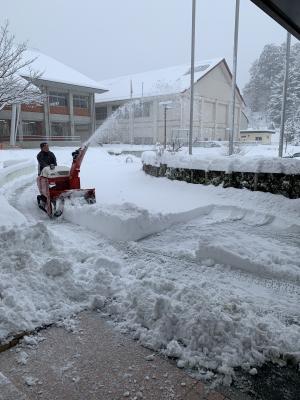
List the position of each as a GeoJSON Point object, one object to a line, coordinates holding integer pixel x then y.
{"type": "Point", "coordinates": [285, 12]}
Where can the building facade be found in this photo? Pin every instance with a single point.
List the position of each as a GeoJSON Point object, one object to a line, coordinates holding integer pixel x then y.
{"type": "Point", "coordinates": [256, 136]}
{"type": "Point", "coordinates": [142, 108]}
{"type": "Point", "coordinates": [67, 114]}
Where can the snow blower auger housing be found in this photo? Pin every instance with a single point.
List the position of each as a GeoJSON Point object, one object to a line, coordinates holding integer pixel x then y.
{"type": "Point", "coordinates": [56, 183]}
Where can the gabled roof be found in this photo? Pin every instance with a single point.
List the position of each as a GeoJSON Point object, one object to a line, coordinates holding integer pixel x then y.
{"type": "Point", "coordinates": [56, 72]}
{"type": "Point", "coordinates": [154, 83]}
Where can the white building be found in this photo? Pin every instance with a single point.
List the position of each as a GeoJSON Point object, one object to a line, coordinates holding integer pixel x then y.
{"type": "Point", "coordinates": [261, 136]}
{"type": "Point", "coordinates": [142, 120]}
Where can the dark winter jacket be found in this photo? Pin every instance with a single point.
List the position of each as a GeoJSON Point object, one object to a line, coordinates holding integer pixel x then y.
{"type": "Point", "coordinates": [45, 158]}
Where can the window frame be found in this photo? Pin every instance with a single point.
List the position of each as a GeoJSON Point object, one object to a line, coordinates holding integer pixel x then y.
{"type": "Point", "coordinates": [104, 113]}
{"type": "Point", "coordinates": [81, 101]}
{"type": "Point", "coordinates": [59, 96]}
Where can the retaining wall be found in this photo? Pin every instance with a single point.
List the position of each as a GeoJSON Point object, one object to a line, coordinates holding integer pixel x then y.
{"type": "Point", "coordinates": [286, 185]}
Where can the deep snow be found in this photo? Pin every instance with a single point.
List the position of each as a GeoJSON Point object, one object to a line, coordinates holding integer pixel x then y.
{"type": "Point", "coordinates": [208, 275]}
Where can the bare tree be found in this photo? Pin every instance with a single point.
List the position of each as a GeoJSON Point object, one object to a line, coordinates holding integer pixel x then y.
{"type": "Point", "coordinates": [15, 89]}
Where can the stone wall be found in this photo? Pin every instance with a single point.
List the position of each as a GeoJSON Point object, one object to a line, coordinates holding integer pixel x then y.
{"type": "Point", "coordinates": [286, 185]}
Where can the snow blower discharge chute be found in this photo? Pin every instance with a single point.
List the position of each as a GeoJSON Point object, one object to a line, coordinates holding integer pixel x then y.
{"type": "Point", "coordinates": [56, 183]}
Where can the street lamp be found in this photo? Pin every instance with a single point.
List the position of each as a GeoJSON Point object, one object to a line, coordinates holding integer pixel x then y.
{"type": "Point", "coordinates": [167, 106]}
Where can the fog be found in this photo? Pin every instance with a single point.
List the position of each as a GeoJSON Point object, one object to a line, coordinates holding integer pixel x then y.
{"type": "Point", "coordinates": [106, 39]}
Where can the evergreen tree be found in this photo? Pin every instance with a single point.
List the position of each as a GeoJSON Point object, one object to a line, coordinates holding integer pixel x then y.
{"type": "Point", "coordinates": [262, 73]}
{"type": "Point", "coordinates": [263, 93]}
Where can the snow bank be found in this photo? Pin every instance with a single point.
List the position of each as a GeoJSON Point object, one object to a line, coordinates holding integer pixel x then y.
{"type": "Point", "coordinates": [13, 170]}
{"type": "Point", "coordinates": [8, 163]}
{"type": "Point", "coordinates": [9, 216]}
{"type": "Point", "coordinates": [41, 281]}
{"type": "Point", "coordinates": [125, 222]}
{"type": "Point", "coordinates": [258, 164]}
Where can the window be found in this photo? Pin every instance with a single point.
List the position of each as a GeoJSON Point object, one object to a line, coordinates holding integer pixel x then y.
{"type": "Point", "coordinates": [4, 127]}
{"type": "Point", "coordinates": [80, 101]}
{"type": "Point", "coordinates": [115, 107]}
{"type": "Point", "coordinates": [258, 138]}
{"type": "Point", "coordinates": [60, 129]}
{"type": "Point", "coordinates": [58, 99]}
{"type": "Point", "coordinates": [101, 113]}
{"type": "Point", "coordinates": [32, 128]}
{"type": "Point", "coordinates": [84, 131]}
{"type": "Point", "coordinates": [142, 110]}
{"type": "Point", "coordinates": [143, 140]}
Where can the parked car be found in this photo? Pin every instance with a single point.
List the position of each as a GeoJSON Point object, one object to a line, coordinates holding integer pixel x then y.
{"type": "Point", "coordinates": [295, 155]}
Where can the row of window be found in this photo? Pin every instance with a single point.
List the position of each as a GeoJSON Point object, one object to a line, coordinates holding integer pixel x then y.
{"type": "Point", "coordinates": [257, 139]}
{"type": "Point", "coordinates": [62, 100]}
{"type": "Point", "coordinates": [141, 110]}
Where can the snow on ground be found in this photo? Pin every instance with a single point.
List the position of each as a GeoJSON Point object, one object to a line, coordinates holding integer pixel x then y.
{"type": "Point", "coordinates": [208, 275]}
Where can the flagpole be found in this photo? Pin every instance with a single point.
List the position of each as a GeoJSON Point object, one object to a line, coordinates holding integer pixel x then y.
{"type": "Point", "coordinates": [284, 92]}
{"type": "Point", "coordinates": [233, 87]}
{"type": "Point", "coordinates": [192, 77]}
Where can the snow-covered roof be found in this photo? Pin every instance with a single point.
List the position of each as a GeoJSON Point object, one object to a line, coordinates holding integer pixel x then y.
{"type": "Point", "coordinates": [156, 82]}
{"type": "Point", "coordinates": [255, 131]}
{"type": "Point", "coordinates": [55, 71]}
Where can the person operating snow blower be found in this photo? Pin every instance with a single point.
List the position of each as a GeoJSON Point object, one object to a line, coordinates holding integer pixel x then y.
{"type": "Point", "coordinates": [45, 157]}
{"type": "Point", "coordinates": [58, 183]}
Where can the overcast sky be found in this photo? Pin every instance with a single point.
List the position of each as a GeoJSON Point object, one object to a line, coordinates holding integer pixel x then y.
{"type": "Point", "coordinates": [109, 38]}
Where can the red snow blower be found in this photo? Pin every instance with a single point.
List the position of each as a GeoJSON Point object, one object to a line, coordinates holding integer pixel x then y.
{"type": "Point", "coordinates": [56, 183]}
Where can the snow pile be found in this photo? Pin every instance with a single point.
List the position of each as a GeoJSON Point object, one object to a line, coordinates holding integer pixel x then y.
{"type": "Point", "coordinates": [234, 163]}
{"type": "Point", "coordinates": [8, 163]}
{"type": "Point", "coordinates": [125, 222]}
{"type": "Point", "coordinates": [42, 282]}
{"type": "Point", "coordinates": [203, 315]}
{"type": "Point", "coordinates": [9, 216]}
{"type": "Point", "coordinates": [12, 170]}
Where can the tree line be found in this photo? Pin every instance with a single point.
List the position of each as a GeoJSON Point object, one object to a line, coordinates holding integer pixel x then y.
{"type": "Point", "coordinates": [263, 92]}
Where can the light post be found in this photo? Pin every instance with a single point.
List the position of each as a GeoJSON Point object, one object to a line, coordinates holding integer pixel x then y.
{"type": "Point", "coordinates": [167, 105]}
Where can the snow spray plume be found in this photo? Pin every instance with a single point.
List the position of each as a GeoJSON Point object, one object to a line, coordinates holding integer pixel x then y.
{"type": "Point", "coordinates": [117, 127]}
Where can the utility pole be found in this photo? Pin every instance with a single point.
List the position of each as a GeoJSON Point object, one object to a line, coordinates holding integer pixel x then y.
{"type": "Point", "coordinates": [192, 77]}
{"type": "Point", "coordinates": [233, 87]}
{"type": "Point", "coordinates": [284, 92]}
{"type": "Point", "coordinates": [165, 127]}
{"type": "Point", "coordinates": [131, 121]}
